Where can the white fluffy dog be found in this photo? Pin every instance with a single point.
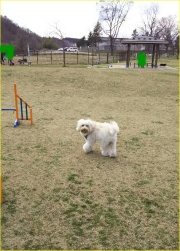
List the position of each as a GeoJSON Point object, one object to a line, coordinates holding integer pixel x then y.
{"type": "Point", "coordinates": [105, 133]}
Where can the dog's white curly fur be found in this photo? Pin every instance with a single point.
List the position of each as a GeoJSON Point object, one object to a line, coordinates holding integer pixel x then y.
{"type": "Point", "coordinates": [105, 133]}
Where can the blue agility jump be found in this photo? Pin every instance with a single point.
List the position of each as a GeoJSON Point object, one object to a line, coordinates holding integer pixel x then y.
{"type": "Point", "coordinates": [7, 109]}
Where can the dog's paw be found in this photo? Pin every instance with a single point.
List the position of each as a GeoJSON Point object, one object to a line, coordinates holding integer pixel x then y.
{"type": "Point", "coordinates": [86, 148]}
{"type": "Point", "coordinates": [112, 155]}
{"type": "Point", "coordinates": [105, 154]}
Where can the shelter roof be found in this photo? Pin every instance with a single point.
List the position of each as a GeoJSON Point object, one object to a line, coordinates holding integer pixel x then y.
{"type": "Point", "coordinates": [144, 41]}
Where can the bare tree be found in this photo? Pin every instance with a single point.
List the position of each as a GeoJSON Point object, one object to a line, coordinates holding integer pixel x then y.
{"type": "Point", "coordinates": [112, 14]}
{"type": "Point", "coordinates": [177, 46]}
{"type": "Point", "coordinates": [167, 29]}
{"type": "Point", "coordinates": [57, 32]}
{"type": "Point", "coordinates": [149, 20]}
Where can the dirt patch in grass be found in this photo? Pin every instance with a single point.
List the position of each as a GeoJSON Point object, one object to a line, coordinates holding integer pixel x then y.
{"type": "Point", "coordinates": [57, 197]}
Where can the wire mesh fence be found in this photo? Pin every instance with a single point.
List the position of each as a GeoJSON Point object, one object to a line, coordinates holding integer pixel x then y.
{"type": "Point", "coordinates": [65, 58]}
{"type": "Point", "coordinates": [81, 58]}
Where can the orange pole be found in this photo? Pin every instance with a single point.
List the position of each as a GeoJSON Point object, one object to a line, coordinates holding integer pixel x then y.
{"type": "Point", "coordinates": [31, 120]}
{"type": "Point", "coordinates": [16, 97]}
{"type": "Point", "coordinates": [0, 188]}
{"type": "Point", "coordinates": [16, 102]}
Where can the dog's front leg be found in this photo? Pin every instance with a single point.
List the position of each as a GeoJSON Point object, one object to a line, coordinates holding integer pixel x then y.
{"type": "Point", "coordinates": [87, 147]}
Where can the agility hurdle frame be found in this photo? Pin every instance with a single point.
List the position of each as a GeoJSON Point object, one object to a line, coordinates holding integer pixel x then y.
{"type": "Point", "coordinates": [22, 101]}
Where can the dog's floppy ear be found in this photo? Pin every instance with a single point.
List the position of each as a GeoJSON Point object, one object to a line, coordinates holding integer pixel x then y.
{"type": "Point", "coordinates": [79, 123]}
{"type": "Point", "coordinates": [90, 124]}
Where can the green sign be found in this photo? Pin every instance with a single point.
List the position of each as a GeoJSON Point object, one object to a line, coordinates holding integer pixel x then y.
{"type": "Point", "coordinates": [8, 50]}
{"type": "Point", "coordinates": [141, 59]}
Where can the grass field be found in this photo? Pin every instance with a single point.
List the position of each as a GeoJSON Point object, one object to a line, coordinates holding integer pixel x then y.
{"type": "Point", "coordinates": [57, 197]}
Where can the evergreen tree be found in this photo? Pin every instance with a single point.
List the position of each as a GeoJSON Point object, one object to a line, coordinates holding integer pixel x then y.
{"type": "Point", "coordinates": [48, 43]}
{"type": "Point", "coordinates": [81, 42]}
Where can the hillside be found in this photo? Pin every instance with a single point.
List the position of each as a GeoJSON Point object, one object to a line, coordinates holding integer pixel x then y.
{"type": "Point", "coordinates": [12, 33]}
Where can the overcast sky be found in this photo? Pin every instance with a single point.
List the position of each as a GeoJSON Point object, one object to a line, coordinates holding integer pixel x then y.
{"type": "Point", "coordinates": [75, 18]}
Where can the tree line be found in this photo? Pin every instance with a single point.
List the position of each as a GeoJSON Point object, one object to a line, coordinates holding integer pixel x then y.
{"type": "Point", "coordinates": [112, 15]}
{"type": "Point", "coordinates": [12, 33]}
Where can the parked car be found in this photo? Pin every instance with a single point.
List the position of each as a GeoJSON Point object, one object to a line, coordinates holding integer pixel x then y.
{"type": "Point", "coordinates": [61, 49]}
{"type": "Point", "coordinates": [72, 49]}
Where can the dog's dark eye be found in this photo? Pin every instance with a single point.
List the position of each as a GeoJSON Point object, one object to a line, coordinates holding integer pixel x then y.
{"type": "Point", "coordinates": [86, 125]}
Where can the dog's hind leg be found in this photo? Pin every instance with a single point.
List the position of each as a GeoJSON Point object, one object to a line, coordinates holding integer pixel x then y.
{"type": "Point", "coordinates": [112, 149]}
{"type": "Point", "coordinates": [104, 150]}
{"type": "Point", "coordinates": [109, 150]}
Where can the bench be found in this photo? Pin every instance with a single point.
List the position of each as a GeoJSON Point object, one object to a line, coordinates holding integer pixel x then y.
{"type": "Point", "coordinates": [22, 61]}
{"type": "Point", "coordinates": [148, 63]}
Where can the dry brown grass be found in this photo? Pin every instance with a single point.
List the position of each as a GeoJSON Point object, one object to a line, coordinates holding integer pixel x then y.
{"type": "Point", "coordinates": [57, 197]}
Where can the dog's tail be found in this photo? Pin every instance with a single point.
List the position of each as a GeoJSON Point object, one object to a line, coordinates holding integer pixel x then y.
{"type": "Point", "coordinates": [115, 127]}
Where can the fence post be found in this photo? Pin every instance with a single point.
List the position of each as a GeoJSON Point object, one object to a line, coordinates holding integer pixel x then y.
{"type": "Point", "coordinates": [37, 57]}
{"type": "Point", "coordinates": [92, 57]}
{"type": "Point", "coordinates": [64, 58]}
{"type": "Point", "coordinates": [77, 57]}
{"type": "Point", "coordinates": [51, 57]}
{"type": "Point", "coordinates": [88, 54]}
{"type": "Point", "coordinates": [107, 58]}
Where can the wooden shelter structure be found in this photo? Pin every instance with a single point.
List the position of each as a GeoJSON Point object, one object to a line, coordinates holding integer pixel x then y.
{"type": "Point", "coordinates": [144, 40]}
